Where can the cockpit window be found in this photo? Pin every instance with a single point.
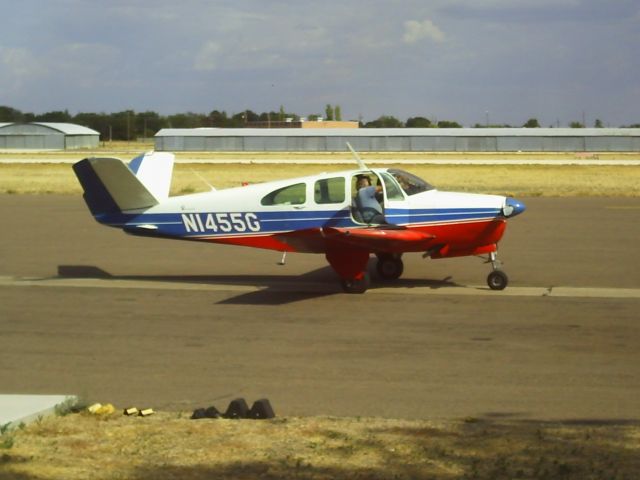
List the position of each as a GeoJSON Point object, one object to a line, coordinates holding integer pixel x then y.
{"type": "Point", "coordinates": [291, 195]}
{"type": "Point", "coordinates": [409, 182]}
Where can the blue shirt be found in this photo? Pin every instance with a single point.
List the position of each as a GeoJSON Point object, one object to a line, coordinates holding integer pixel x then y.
{"type": "Point", "coordinates": [367, 203]}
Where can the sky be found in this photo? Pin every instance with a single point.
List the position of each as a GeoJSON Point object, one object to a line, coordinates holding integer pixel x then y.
{"type": "Point", "coordinates": [472, 61]}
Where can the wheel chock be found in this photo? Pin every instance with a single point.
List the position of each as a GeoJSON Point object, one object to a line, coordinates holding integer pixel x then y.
{"type": "Point", "coordinates": [197, 414]}
{"type": "Point", "coordinates": [146, 412]}
{"type": "Point", "coordinates": [261, 410]}
{"type": "Point", "coordinates": [131, 411]}
{"type": "Point", "coordinates": [238, 408]}
{"type": "Point", "coordinates": [210, 412]}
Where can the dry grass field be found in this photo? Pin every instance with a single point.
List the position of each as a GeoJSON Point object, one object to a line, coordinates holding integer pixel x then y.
{"type": "Point", "coordinates": [171, 446]}
{"type": "Point", "coordinates": [518, 180]}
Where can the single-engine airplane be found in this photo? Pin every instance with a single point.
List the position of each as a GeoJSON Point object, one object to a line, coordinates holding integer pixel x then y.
{"type": "Point", "coordinates": [325, 213]}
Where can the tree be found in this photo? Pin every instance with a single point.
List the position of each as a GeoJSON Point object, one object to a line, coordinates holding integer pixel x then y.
{"type": "Point", "coordinates": [418, 122]}
{"type": "Point", "coordinates": [576, 125]}
{"type": "Point", "coordinates": [56, 116]}
{"type": "Point", "coordinates": [244, 117]}
{"type": "Point", "coordinates": [218, 119]}
{"type": "Point", "coordinates": [385, 121]}
{"type": "Point", "coordinates": [8, 114]}
{"type": "Point", "coordinates": [338, 113]}
{"type": "Point", "coordinates": [187, 120]}
{"type": "Point", "coordinates": [448, 124]}
{"type": "Point", "coordinates": [96, 121]}
{"type": "Point", "coordinates": [328, 112]}
{"type": "Point", "coordinates": [532, 123]}
{"type": "Point", "coordinates": [598, 123]}
{"type": "Point", "coordinates": [122, 125]}
{"type": "Point", "coordinates": [146, 124]}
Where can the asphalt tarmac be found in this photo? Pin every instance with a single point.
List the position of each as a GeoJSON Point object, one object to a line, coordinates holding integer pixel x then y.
{"type": "Point", "coordinates": [90, 311]}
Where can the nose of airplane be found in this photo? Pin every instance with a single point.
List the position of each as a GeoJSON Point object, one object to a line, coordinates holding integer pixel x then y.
{"type": "Point", "coordinates": [512, 207]}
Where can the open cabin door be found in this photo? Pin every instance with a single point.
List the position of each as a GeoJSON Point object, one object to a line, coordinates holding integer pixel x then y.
{"type": "Point", "coordinates": [395, 202]}
{"type": "Point", "coordinates": [367, 198]}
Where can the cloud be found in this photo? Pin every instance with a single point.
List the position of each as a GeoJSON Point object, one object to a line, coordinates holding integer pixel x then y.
{"type": "Point", "coordinates": [17, 67]}
{"type": "Point", "coordinates": [208, 58]}
{"type": "Point", "coordinates": [415, 31]}
{"type": "Point", "coordinates": [19, 62]}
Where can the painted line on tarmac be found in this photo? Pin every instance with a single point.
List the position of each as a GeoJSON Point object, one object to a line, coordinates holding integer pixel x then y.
{"type": "Point", "coordinates": [303, 287]}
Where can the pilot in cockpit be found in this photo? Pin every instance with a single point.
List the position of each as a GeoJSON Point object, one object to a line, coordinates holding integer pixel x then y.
{"type": "Point", "coordinates": [366, 201]}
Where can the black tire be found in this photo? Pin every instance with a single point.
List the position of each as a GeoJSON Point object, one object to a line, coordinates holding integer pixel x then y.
{"type": "Point", "coordinates": [389, 268]}
{"type": "Point", "coordinates": [497, 280]}
{"type": "Point", "coordinates": [356, 285]}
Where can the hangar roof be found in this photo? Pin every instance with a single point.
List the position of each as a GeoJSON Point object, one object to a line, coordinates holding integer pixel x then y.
{"type": "Point", "coordinates": [40, 128]}
{"type": "Point", "coordinates": [68, 128]}
{"type": "Point", "coordinates": [395, 132]}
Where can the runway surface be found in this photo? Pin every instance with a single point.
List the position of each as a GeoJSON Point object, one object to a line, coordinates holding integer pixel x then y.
{"type": "Point", "coordinates": [88, 310]}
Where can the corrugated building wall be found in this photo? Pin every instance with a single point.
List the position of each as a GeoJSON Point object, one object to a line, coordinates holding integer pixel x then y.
{"type": "Point", "coordinates": [47, 136]}
{"type": "Point", "coordinates": [401, 140]}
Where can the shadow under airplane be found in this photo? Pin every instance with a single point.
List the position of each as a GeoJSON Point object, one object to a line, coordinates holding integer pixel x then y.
{"type": "Point", "coordinates": [273, 289]}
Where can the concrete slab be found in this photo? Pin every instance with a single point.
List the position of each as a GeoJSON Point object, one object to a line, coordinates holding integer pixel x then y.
{"type": "Point", "coordinates": [17, 409]}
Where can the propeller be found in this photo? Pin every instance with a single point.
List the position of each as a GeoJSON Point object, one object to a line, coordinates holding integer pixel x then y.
{"type": "Point", "coordinates": [361, 164]}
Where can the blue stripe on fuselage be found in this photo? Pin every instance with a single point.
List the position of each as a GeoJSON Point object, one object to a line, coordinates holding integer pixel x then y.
{"type": "Point", "coordinates": [188, 224]}
{"type": "Point", "coordinates": [438, 215]}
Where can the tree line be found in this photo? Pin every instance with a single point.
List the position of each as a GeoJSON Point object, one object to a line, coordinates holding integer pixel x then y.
{"type": "Point", "coordinates": [130, 125]}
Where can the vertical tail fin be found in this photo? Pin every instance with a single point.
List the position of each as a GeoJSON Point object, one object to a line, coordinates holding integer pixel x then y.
{"type": "Point", "coordinates": [154, 170]}
{"type": "Point", "coordinates": [111, 187]}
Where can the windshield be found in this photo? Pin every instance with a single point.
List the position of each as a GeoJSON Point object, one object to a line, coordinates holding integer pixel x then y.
{"type": "Point", "coordinates": [409, 182]}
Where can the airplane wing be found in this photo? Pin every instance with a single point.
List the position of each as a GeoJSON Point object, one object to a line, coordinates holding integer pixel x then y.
{"type": "Point", "coordinates": [383, 239]}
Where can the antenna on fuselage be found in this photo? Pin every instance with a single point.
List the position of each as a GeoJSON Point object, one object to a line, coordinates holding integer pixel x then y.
{"type": "Point", "coordinates": [361, 164]}
{"type": "Point", "coordinates": [203, 179]}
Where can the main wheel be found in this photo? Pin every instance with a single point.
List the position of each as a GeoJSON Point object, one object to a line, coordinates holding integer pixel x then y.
{"type": "Point", "coordinates": [389, 268]}
{"type": "Point", "coordinates": [356, 285]}
{"type": "Point", "coordinates": [497, 280]}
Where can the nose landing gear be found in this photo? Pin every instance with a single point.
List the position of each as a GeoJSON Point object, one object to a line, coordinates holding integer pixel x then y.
{"type": "Point", "coordinates": [497, 279]}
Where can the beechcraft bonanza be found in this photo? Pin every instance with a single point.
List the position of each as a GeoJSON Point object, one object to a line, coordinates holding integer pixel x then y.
{"type": "Point", "coordinates": [315, 214]}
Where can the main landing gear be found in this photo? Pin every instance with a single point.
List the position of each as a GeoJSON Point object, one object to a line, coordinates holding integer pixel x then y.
{"type": "Point", "coordinates": [497, 279]}
{"type": "Point", "coordinates": [356, 285]}
{"type": "Point", "coordinates": [389, 266]}
{"type": "Point", "coordinates": [351, 266]}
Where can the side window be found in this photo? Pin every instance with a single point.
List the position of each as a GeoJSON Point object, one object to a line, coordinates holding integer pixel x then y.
{"type": "Point", "coordinates": [392, 188]}
{"type": "Point", "coordinates": [291, 195]}
{"type": "Point", "coordinates": [329, 190]}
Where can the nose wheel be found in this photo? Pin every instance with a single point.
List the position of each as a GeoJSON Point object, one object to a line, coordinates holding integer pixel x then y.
{"type": "Point", "coordinates": [497, 279]}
